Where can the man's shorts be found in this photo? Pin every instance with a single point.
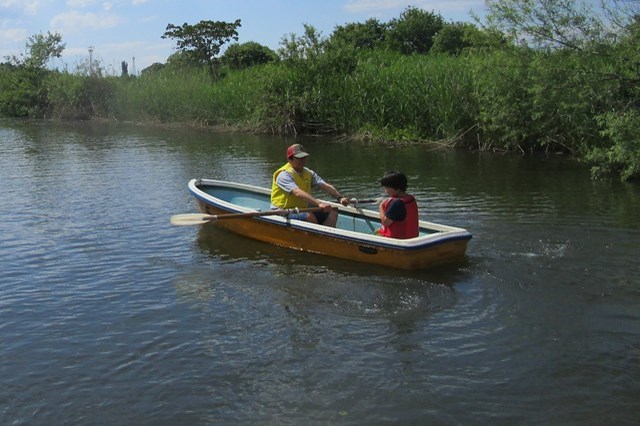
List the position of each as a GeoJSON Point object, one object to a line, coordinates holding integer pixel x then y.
{"type": "Point", "coordinates": [321, 217]}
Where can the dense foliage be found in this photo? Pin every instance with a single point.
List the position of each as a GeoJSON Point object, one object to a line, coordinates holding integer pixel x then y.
{"type": "Point", "coordinates": [202, 42]}
{"type": "Point", "coordinates": [540, 75]}
{"type": "Point", "coordinates": [245, 55]}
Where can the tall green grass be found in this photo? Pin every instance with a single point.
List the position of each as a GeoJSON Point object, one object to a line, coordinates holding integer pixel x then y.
{"type": "Point", "coordinates": [385, 96]}
{"type": "Point", "coordinates": [495, 100]}
{"type": "Point", "coordinates": [499, 100]}
{"type": "Point", "coordinates": [414, 97]}
{"type": "Point", "coordinates": [490, 100]}
{"type": "Point", "coordinates": [164, 97]}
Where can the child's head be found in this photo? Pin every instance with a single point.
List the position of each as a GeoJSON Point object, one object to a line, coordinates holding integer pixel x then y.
{"type": "Point", "coordinates": [394, 179]}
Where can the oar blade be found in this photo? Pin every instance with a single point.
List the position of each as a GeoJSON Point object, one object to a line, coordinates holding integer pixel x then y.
{"type": "Point", "coordinates": [191, 219]}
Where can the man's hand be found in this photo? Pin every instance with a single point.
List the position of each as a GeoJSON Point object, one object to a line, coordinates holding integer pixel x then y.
{"type": "Point", "coordinates": [325, 206]}
{"type": "Point", "coordinates": [344, 201]}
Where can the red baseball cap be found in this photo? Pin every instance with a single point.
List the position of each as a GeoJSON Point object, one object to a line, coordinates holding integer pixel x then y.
{"type": "Point", "coordinates": [296, 150]}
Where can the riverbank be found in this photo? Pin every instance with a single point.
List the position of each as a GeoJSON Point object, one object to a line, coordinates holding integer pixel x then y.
{"type": "Point", "coordinates": [489, 101]}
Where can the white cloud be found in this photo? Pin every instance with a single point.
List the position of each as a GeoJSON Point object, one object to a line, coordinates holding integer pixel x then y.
{"type": "Point", "coordinates": [363, 6]}
{"type": "Point", "coordinates": [13, 35]}
{"type": "Point", "coordinates": [138, 2]}
{"type": "Point", "coordinates": [80, 3]}
{"type": "Point", "coordinates": [30, 7]}
{"type": "Point", "coordinates": [75, 51]}
{"type": "Point", "coordinates": [358, 6]}
{"type": "Point", "coordinates": [73, 21]}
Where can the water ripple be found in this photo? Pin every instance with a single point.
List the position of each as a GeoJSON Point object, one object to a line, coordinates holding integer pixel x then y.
{"type": "Point", "coordinates": [109, 312]}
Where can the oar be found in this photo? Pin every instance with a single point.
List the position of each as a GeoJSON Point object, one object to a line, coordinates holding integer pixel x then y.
{"type": "Point", "coordinates": [356, 202]}
{"type": "Point", "coordinates": [366, 201]}
{"type": "Point", "coordinates": [200, 218]}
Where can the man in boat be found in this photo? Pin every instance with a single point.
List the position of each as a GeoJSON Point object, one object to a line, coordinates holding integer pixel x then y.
{"type": "Point", "coordinates": [291, 188]}
{"type": "Point", "coordinates": [398, 214]}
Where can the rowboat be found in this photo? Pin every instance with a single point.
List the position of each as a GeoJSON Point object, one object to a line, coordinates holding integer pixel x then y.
{"type": "Point", "coordinates": [353, 237]}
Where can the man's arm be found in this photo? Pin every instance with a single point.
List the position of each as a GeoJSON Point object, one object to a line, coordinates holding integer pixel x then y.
{"type": "Point", "coordinates": [308, 198]}
{"type": "Point", "coordinates": [331, 190]}
{"type": "Point", "coordinates": [286, 182]}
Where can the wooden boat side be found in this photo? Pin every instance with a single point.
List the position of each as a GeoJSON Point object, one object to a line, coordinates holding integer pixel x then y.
{"type": "Point", "coordinates": [445, 244]}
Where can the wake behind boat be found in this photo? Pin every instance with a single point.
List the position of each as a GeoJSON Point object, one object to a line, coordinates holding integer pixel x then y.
{"type": "Point", "coordinates": [352, 239]}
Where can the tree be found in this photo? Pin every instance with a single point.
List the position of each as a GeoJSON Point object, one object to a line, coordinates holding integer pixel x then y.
{"type": "Point", "coordinates": [414, 31]}
{"type": "Point", "coordinates": [239, 56]}
{"type": "Point", "coordinates": [203, 40]}
{"type": "Point", "coordinates": [152, 69]}
{"type": "Point", "coordinates": [595, 51]}
{"type": "Point", "coordinates": [309, 46]}
{"type": "Point", "coordinates": [458, 37]}
{"type": "Point", "coordinates": [24, 91]}
{"type": "Point", "coordinates": [549, 23]}
{"type": "Point", "coordinates": [606, 39]}
{"type": "Point", "coordinates": [317, 55]}
{"type": "Point", "coordinates": [451, 39]}
{"type": "Point", "coordinates": [125, 68]}
{"type": "Point", "coordinates": [368, 35]}
{"type": "Point", "coordinates": [40, 49]}
{"type": "Point", "coordinates": [181, 60]}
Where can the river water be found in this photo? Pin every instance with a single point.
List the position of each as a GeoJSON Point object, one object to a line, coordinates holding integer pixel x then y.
{"type": "Point", "coordinates": [110, 315]}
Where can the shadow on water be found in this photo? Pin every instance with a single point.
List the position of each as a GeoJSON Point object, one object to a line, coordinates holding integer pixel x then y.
{"type": "Point", "coordinates": [308, 282]}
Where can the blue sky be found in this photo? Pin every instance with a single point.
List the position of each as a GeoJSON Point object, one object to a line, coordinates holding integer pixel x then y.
{"type": "Point", "coordinates": [120, 30]}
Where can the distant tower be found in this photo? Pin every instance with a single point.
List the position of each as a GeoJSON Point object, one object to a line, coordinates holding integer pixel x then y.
{"type": "Point", "coordinates": [90, 60]}
{"type": "Point", "coordinates": [133, 66]}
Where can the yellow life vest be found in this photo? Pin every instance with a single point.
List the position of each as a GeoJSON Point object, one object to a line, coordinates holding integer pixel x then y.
{"type": "Point", "coordinates": [285, 200]}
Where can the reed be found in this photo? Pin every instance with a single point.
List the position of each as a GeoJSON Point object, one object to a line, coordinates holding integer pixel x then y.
{"type": "Point", "coordinates": [421, 97]}
{"type": "Point", "coordinates": [386, 95]}
{"type": "Point", "coordinates": [490, 100]}
{"type": "Point", "coordinates": [500, 100]}
{"type": "Point", "coordinates": [164, 97]}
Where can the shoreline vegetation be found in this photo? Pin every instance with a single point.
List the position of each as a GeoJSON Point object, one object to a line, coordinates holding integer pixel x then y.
{"type": "Point", "coordinates": [520, 82]}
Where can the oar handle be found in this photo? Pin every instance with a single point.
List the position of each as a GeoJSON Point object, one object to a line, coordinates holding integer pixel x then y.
{"type": "Point", "coordinates": [365, 201]}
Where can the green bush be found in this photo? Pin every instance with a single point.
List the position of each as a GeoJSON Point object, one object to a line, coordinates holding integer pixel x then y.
{"type": "Point", "coordinates": [620, 148]}
{"type": "Point", "coordinates": [22, 92]}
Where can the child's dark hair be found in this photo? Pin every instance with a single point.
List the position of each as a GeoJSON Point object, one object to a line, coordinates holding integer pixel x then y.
{"type": "Point", "coordinates": [394, 179]}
